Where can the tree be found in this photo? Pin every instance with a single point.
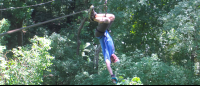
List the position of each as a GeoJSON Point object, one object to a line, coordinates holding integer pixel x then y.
{"type": "Point", "coordinates": [182, 28]}
{"type": "Point", "coordinates": [16, 18]}
{"type": "Point", "coordinates": [155, 40]}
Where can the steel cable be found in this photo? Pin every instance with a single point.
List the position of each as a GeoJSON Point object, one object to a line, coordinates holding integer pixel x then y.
{"type": "Point", "coordinates": [19, 29]}
{"type": "Point", "coordinates": [26, 6]}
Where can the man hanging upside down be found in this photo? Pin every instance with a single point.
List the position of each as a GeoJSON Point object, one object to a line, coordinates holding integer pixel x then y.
{"type": "Point", "coordinates": [105, 39]}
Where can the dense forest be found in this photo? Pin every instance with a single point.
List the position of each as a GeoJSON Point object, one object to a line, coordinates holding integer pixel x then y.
{"type": "Point", "coordinates": [157, 42]}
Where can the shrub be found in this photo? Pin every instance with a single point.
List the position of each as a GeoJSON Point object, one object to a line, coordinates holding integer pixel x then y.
{"type": "Point", "coordinates": [29, 62]}
{"type": "Point", "coordinates": [4, 27]}
{"type": "Point", "coordinates": [3, 73]}
{"type": "Point", "coordinates": [152, 71]}
{"type": "Point", "coordinates": [128, 81]}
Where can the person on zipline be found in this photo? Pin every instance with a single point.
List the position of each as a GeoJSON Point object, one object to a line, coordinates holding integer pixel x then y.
{"type": "Point", "coordinates": [107, 45]}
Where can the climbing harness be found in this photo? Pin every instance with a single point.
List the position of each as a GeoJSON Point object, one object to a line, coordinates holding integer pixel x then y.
{"type": "Point", "coordinates": [99, 31]}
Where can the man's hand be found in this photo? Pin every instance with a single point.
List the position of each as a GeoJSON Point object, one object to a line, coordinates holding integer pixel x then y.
{"type": "Point", "coordinates": [114, 79]}
{"type": "Point", "coordinates": [105, 1]}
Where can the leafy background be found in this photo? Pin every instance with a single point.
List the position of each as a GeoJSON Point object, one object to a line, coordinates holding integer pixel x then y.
{"type": "Point", "coordinates": [157, 42]}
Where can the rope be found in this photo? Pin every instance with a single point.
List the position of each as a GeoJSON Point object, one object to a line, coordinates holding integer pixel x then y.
{"type": "Point", "coordinates": [26, 6]}
{"type": "Point", "coordinates": [106, 7]}
{"type": "Point", "coordinates": [19, 29]}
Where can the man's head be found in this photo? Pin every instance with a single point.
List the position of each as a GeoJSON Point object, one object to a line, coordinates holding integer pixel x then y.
{"type": "Point", "coordinates": [114, 58]}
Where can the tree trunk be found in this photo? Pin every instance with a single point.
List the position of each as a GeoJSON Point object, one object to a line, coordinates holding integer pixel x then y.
{"type": "Point", "coordinates": [19, 34]}
{"type": "Point", "coordinates": [192, 60]}
{"type": "Point", "coordinates": [78, 39]}
{"type": "Point", "coordinates": [96, 57]}
{"type": "Point", "coordinates": [199, 69]}
{"type": "Point", "coordinates": [1, 12]}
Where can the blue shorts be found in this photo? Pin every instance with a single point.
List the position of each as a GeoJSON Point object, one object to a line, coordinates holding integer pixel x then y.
{"type": "Point", "coordinates": [107, 45]}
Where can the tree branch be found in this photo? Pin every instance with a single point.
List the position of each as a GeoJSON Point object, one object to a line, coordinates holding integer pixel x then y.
{"type": "Point", "coordinates": [96, 57]}
{"type": "Point", "coordinates": [78, 39]}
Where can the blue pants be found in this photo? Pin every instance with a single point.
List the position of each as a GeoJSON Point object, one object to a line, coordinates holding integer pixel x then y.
{"type": "Point", "coordinates": [107, 45]}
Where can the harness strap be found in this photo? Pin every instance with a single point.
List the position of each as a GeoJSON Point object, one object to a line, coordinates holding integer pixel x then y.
{"type": "Point", "coordinates": [99, 31]}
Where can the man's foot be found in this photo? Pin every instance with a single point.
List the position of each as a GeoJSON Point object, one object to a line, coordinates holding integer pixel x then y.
{"type": "Point", "coordinates": [91, 13]}
{"type": "Point", "coordinates": [115, 59]}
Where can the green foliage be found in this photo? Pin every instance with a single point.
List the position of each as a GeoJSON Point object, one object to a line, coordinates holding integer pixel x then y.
{"type": "Point", "coordinates": [68, 68]}
{"type": "Point", "coordinates": [66, 63]}
{"type": "Point", "coordinates": [4, 27]}
{"type": "Point", "coordinates": [29, 63]}
{"type": "Point", "coordinates": [179, 35]}
{"type": "Point", "coordinates": [84, 78]}
{"type": "Point", "coordinates": [152, 71]}
{"type": "Point", "coordinates": [3, 62]}
{"type": "Point", "coordinates": [133, 81]}
{"type": "Point", "coordinates": [157, 42]}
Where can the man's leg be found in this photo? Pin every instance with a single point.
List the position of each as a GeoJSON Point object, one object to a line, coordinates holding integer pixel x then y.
{"type": "Point", "coordinates": [100, 18]}
{"type": "Point", "coordinates": [110, 16]}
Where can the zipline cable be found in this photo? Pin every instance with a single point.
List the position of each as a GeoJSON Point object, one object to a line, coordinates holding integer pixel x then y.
{"type": "Point", "coordinates": [27, 6]}
{"type": "Point", "coordinates": [19, 29]}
